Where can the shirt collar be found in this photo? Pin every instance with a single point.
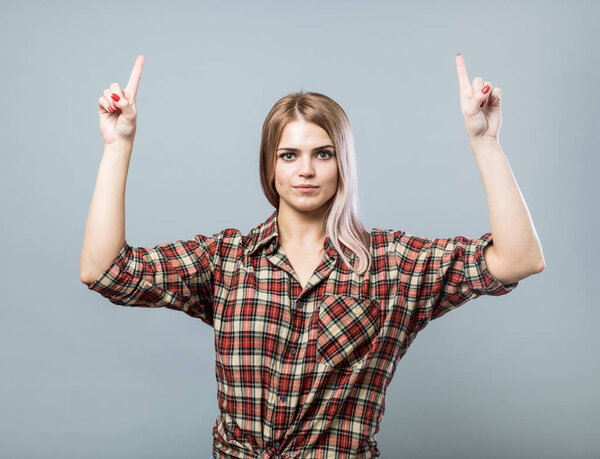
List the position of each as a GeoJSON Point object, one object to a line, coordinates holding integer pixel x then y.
{"type": "Point", "coordinates": [265, 232]}
{"type": "Point", "coordinates": [268, 232]}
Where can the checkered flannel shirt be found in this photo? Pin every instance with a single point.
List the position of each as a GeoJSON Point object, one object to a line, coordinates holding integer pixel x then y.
{"type": "Point", "coordinates": [302, 372]}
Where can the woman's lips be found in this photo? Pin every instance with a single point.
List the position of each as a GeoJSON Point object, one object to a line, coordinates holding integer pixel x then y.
{"type": "Point", "coordinates": [305, 189]}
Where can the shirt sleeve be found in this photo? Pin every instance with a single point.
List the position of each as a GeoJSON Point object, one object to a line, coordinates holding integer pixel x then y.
{"type": "Point", "coordinates": [176, 275]}
{"type": "Point", "coordinates": [438, 275]}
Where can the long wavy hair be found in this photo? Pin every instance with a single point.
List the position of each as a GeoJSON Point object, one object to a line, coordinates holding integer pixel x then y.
{"type": "Point", "coordinates": [343, 221]}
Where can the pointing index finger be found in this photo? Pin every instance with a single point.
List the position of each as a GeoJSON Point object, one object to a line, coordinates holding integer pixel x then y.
{"type": "Point", "coordinates": [463, 77]}
{"type": "Point", "coordinates": [136, 75]}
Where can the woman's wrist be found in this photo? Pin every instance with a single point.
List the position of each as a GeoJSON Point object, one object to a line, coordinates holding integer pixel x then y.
{"type": "Point", "coordinates": [118, 148]}
{"type": "Point", "coordinates": [484, 140]}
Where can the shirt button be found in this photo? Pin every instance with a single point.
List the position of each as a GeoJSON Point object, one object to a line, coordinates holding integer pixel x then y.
{"type": "Point", "coordinates": [277, 444]}
{"type": "Point", "coordinates": [283, 398]}
{"type": "Point", "coordinates": [298, 304]}
{"type": "Point", "coordinates": [293, 351]}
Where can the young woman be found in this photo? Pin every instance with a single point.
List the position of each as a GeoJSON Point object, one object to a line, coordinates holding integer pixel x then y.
{"type": "Point", "coordinates": [311, 312]}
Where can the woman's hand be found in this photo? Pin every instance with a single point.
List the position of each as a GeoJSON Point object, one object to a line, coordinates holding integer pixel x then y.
{"type": "Point", "coordinates": [479, 104]}
{"type": "Point", "coordinates": [117, 110]}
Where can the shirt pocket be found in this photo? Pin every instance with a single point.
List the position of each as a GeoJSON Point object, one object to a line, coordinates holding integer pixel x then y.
{"type": "Point", "coordinates": [347, 331]}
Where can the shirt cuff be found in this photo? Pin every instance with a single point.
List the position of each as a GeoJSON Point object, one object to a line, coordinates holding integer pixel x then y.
{"type": "Point", "coordinates": [121, 278]}
{"type": "Point", "coordinates": [480, 279]}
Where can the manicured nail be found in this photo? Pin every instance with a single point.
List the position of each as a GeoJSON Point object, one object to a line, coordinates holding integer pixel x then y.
{"type": "Point", "coordinates": [110, 109]}
{"type": "Point", "coordinates": [485, 89]}
{"type": "Point", "coordinates": [115, 97]}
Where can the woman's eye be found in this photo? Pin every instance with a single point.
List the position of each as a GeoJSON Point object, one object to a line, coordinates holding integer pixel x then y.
{"type": "Point", "coordinates": [284, 155]}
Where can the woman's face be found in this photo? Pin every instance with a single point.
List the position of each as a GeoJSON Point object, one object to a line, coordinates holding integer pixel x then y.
{"type": "Point", "coordinates": [312, 162]}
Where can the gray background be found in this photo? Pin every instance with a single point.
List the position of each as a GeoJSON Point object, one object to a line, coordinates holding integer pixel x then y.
{"type": "Point", "coordinates": [512, 376]}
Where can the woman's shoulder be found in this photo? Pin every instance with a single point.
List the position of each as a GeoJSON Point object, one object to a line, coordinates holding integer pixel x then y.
{"type": "Point", "coordinates": [397, 241]}
{"type": "Point", "coordinates": [234, 240]}
{"type": "Point", "coordinates": [384, 235]}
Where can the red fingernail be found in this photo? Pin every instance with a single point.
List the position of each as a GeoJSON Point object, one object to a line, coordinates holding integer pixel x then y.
{"type": "Point", "coordinates": [110, 109]}
{"type": "Point", "coordinates": [115, 97]}
{"type": "Point", "coordinates": [485, 89]}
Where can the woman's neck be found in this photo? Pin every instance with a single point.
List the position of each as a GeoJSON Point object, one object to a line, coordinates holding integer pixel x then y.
{"type": "Point", "coordinates": [300, 229]}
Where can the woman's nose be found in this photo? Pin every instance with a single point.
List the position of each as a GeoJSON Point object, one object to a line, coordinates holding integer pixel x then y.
{"type": "Point", "coordinates": [307, 167]}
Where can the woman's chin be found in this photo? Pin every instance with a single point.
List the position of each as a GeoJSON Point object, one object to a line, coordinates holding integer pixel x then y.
{"type": "Point", "coordinates": [305, 205]}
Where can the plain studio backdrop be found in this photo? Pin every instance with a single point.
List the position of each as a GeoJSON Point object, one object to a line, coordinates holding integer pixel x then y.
{"type": "Point", "coordinates": [512, 376]}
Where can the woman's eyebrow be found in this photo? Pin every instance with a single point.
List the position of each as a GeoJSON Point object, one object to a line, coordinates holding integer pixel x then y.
{"type": "Point", "coordinates": [296, 149]}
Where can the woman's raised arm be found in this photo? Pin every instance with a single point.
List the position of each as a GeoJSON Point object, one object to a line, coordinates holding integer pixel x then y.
{"type": "Point", "coordinates": [105, 228]}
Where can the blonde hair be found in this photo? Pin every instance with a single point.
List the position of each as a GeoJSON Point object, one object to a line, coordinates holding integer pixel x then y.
{"type": "Point", "coordinates": [343, 221]}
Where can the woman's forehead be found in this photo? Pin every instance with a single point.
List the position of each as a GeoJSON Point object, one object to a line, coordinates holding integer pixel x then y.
{"type": "Point", "coordinates": [304, 135]}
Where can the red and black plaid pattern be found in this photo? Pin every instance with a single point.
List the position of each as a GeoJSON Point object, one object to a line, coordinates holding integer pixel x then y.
{"type": "Point", "coordinates": [302, 373]}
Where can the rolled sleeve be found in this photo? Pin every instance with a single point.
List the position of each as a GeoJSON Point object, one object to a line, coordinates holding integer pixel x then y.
{"type": "Point", "coordinates": [439, 275]}
{"type": "Point", "coordinates": [121, 278]}
{"type": "Point", "coordinates": [479, 278]}
{"type": "Point", "coordinates": [176, 275]}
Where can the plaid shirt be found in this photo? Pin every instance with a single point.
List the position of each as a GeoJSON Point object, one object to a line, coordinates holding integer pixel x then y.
{"type": "Point", "coordinates": [302, 373]}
